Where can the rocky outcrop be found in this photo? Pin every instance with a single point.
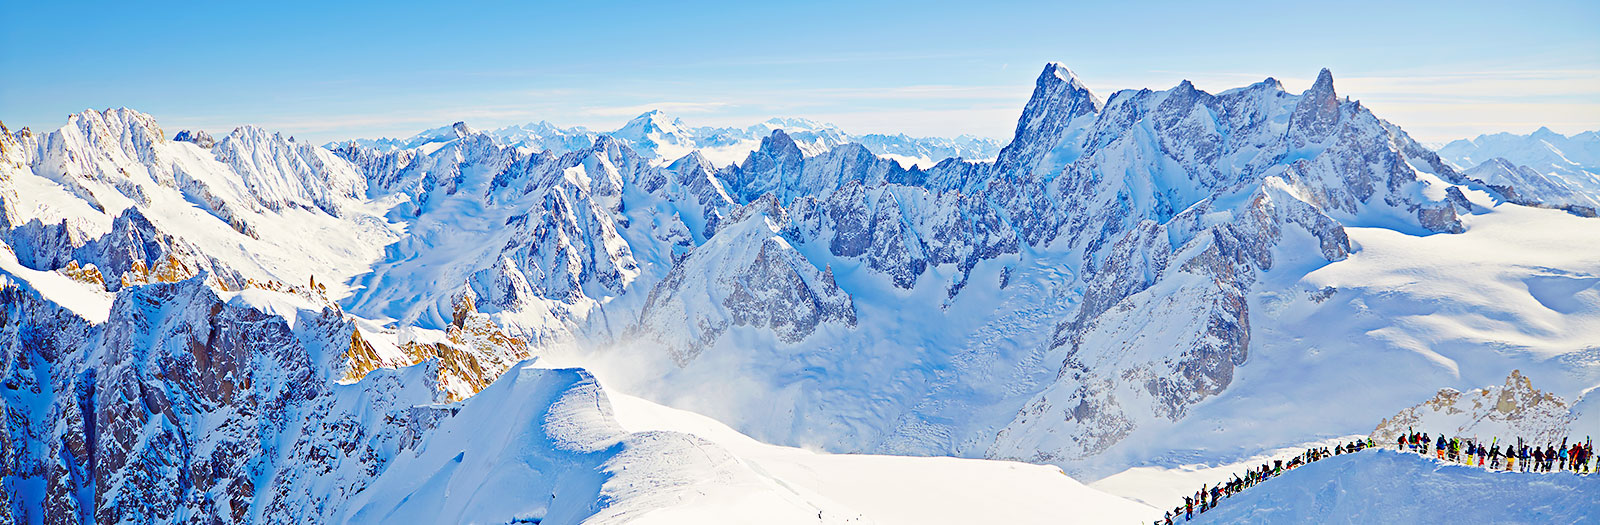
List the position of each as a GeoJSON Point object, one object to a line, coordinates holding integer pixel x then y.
{"type": "Point", "coordinates": [1510, 411]}
{"type": "Point", "coordinates": [747, 276]}
{"type": "Point", "coordinates": [198, 137]}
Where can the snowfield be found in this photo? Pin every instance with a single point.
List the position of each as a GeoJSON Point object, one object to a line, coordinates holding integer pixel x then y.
{"type": "Point", "coordinates": [901, 489]}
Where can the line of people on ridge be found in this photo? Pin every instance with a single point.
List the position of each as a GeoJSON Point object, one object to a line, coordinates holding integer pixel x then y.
{"type": "Point", "coordinates": [1208, 496]}
{"type": "Point", "coordinates": [1520, 457]}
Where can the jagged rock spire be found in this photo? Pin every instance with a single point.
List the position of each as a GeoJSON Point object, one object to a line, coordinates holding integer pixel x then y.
{"type": "Point", "coordinates": [1317, 114]}
{"type": "Point", "coordinates": [1058, 98]}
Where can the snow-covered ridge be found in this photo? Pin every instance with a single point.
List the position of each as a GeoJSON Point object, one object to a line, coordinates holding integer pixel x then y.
{"type": "Point", "coordinates": [664, 139]}
{"type": "Point", "coordinates": [1385, 486]}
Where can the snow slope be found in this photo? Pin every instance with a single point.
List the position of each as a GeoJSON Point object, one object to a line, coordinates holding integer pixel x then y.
{"type": "Point", "coordinates": [901, 489]}
{"type": "Point", "coordinates": [1385, 486]}
{"type": "Point", "coordinates": [540, 445]}
{"type": "Point", "coordinates": [1163, 487]}
{"type": "Point", "coordinates": [1385, 329]}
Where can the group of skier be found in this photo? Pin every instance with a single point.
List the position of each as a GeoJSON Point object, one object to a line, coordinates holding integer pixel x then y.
{"type": "Point", "coordinates": [1520, 457]}
{"type": "Point", "coordinates": [1208, 496]}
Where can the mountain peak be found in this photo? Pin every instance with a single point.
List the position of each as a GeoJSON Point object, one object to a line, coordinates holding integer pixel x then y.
{"type": "Point", "coordinates": [1058, 98]}
{"type": "Point", "coordinates": [648, 124]}
{"type": "Point", "coordinates": [1317, 113]}
{"type": "Point", "coordinates": [462, 129]}
{"type": "Point", "coordinates": [1324, 83]}
{"type": "Point", "coordinates": [1059, 72]}
{"type": "Point", "coordinates": [654, 117]}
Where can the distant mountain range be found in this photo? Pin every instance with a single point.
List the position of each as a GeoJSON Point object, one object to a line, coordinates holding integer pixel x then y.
{"type": "Point", "coordinates": [1543, 166]}
{"type": "Point", "coordinates": [663, 139]}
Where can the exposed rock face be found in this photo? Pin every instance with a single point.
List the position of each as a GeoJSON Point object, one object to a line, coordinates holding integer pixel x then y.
{"type": "Point", "coordinates": [199, 138]}
{"type": "Point", "coordinates": [1317, 114]}
{"type": "Point", "coordinates": [1510, 411]}
{"type": "Point", "coordinates": [1058, 100]}
{"type": "Point", "coordinates": [473, 352]}
{"type": "Point", "coordinates": [762, 282]}
{"type": "Point", "coordinates": [163, 410]}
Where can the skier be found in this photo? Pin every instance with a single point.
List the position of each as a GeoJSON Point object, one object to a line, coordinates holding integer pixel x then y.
{"type": "Point", "coordinates": [1188, 508]}
{"type": "Point", "coordinates": [1523, 456]}
{"type": "Point", "coordinates": [1439, 447]}
{"type": "Point", "coordinates": [1494, 457]}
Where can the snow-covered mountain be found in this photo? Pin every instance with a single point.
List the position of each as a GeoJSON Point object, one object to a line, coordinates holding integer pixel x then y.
{"type": "Point", "coordinates": [662, 139]}
{"type": "Point", "coordinates": [255, 329]}
{"type": "Point", "coordinates": [1542, 167]}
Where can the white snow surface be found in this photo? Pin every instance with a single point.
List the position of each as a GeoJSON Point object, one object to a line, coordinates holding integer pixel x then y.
{"type": "Point", "coordinates": [87, 301]}
{"type": "Point", "coordinates": [901, 489]}
{"type": "Point", "coordinates": [1163, 487]}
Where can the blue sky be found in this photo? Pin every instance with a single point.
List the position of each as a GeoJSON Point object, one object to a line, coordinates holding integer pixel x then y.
{"type": "Point", "coordinates": [1441, 70]}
